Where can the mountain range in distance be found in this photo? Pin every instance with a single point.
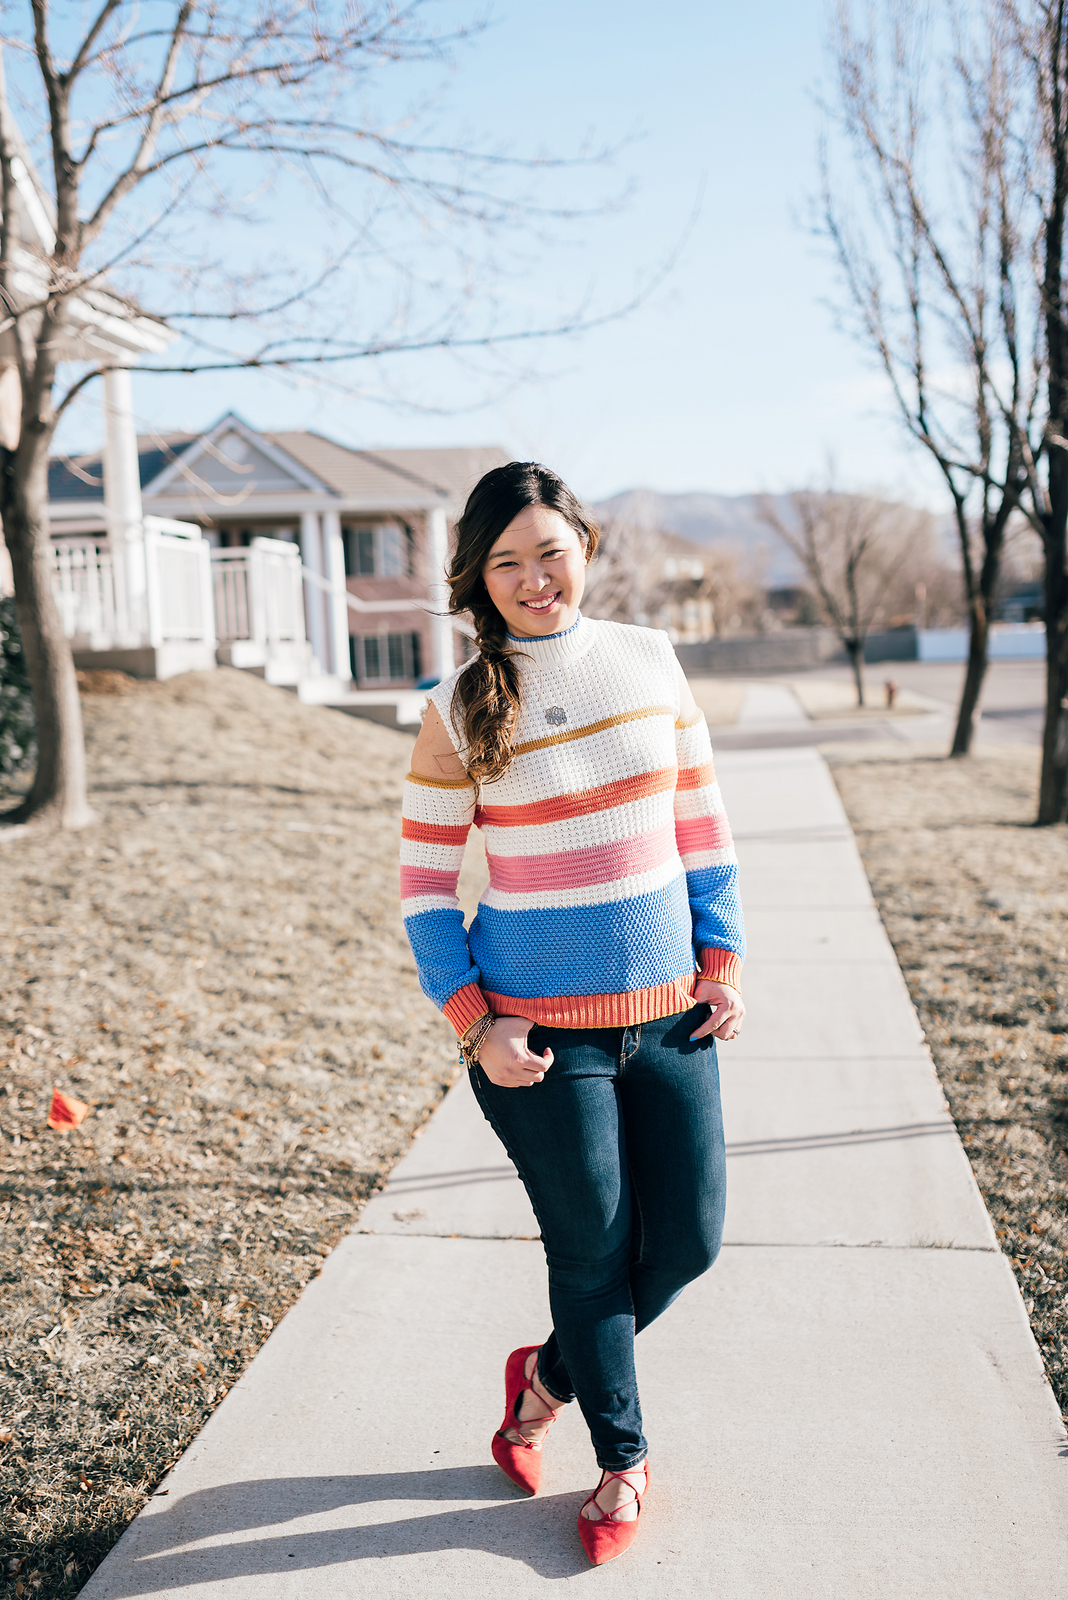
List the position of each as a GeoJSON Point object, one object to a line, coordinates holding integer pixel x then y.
{"type": "Point", "coordinates": [732, 522]}
{"type": "Point", "coordinates": [715, 521]}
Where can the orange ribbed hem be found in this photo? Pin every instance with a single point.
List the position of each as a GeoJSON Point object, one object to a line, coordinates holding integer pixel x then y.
{"type": "Point", "coordinates": [465, 1007]}
{"type": "Point", "coordinates": [599, 1010]}
{"type": "Point", "coordinates": [721, 966]}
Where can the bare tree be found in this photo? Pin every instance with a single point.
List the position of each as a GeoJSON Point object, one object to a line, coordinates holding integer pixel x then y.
{"type": "Point", "coordinates": [936, 244]}
{"type": "Point", "coordinates": [852, 547]}
{"type": "Point", "coordinates": [137, 106]}
{"type": "Point", "coordinates": [618, 577]}
{"type": "Point", "coordinates": [1040, 31]}
{"type": "Point", "coordinates": [640, 576]}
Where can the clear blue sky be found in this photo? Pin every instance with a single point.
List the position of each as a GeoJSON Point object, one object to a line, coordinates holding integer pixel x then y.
{"type": "Point", "coordinates": [733, 377]}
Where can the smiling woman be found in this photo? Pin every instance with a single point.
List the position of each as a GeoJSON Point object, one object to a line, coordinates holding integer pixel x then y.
{"type": "Point", "coordinates": [524, 543]}
{"type": "Point", "coordinates": [601, 967]}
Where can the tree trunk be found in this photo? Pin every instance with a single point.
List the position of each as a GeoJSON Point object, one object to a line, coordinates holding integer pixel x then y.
{"type": "Point", "coordinates": [58, 795]}
{"type": "Point", "coordinates": [1053, 786]}
{"type": "Point", "coordinates": [978, 634]}
{"type": "Point", "coordinates": [855, 651]}
{"type": "Point", "coordinates": [980, 611]}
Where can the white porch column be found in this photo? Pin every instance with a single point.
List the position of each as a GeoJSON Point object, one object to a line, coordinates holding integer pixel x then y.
{"type": "Point", "coordinates": [443, 657]}
{"type": "Point", "coordinates": [334, 560]}
{"type": "Point", "coordinates": [311, 553]}
{"type": "Point", "coordinates": [122, 505]}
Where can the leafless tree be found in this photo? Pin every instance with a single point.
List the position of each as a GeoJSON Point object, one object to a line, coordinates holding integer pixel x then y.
{"type": "Point", "coordinates": [1040, 32]}
{"type": "Point", "coordinates": [618, 577]}
{"type": "Point", "coordinates": [936, 236]}
{"type": "Point", "coordinates": [163, 125]}
{"type": "Point", "coordinates": [852, 547]}
{"type": "Point", "coordinates": [639, 576]}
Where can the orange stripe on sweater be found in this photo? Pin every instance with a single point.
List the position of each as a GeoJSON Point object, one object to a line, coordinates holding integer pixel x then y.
{"type": "Point", "coordinates": [433, 832]}
{"type": "Point", "coordinates": [599, 1010]}
{"type": "Point", "coordinates": [581, 804]}
{"type": "Point", "coordinates": [696, 777]}
{"type": "Point", "coordinates": [465, 1007]}
{"type": "Point", "coordinates": [721, 966]}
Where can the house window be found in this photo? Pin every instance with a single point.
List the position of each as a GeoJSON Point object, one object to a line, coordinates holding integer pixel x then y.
{"type": "Point", "coordinates": [386, 657]}
{"type": "Point", "coordinates": [380, 552]}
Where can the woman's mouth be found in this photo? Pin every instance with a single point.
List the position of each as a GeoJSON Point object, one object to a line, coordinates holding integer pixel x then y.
{"type": "Point", "coordinates": [545, 603]}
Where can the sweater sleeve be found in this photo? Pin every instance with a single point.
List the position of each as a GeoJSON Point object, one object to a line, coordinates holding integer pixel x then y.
{"type": "Point", "coordinates": [703, 836]}
{"type": "Point", "coordinates": [436, 818]}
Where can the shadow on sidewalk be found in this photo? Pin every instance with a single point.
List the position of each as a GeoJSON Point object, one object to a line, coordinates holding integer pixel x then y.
{"type": "Point", "coordinates": [539, 1533]}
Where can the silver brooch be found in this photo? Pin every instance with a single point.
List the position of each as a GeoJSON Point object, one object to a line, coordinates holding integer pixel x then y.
{"type": "Point", "coordinates": [556, 715]}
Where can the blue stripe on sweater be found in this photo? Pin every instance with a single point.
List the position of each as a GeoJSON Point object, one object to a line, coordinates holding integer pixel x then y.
{"type": "Point", "coordinates": [612, 948]}
{"type": "Point", "coordinates": [716, 909]}
{"type": "Point", "coordinates": [439, 945]}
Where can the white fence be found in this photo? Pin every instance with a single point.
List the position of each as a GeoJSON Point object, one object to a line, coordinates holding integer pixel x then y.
{"type": "Point", "coordinates": [162, 595]}
{"type": "Point", "coordinates": [259, 593]}
{"type": "Point", "coordinates": [178, 589]}
{"type": "Point", "coordinates": [83, 582]}
{"type": "Point", "coordinates": [1007, 641]}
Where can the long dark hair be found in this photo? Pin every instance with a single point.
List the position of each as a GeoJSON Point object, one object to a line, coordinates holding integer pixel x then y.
{"type": "Point", "coordinates": [485, 702]}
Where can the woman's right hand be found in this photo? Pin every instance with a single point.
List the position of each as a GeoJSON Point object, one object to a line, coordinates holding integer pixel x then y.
{"type": "Point", "coordinates": [506, 1059]}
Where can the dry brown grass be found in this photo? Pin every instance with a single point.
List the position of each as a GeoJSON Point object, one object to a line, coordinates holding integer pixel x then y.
{"type": "Point", "coordinates": [219, 968]}
{"type": "Point", "coordinates": [719, 698]}
{"type": "Point", "coordinates": [975, 901]}
{"type": "Point", "coordinates": [825, 699]}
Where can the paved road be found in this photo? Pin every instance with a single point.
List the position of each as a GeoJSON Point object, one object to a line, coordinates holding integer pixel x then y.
{"type": "Point", "coordinates": [850, 1406]}
{"type": "Point", "coordinates": [771, 716]}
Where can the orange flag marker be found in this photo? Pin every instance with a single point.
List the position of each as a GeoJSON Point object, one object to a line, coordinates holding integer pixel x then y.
{"type": "Point", "coordinates": [65, 1111]}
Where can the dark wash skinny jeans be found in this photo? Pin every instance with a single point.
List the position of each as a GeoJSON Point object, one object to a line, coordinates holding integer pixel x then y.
{"type": "Point", "coordinates": [620, 1148]}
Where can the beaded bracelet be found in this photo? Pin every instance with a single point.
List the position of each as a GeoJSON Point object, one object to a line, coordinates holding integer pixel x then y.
{"type": "Point", "coordinates": [471, 1042]}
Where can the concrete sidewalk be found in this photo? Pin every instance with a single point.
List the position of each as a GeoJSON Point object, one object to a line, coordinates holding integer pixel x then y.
{"type": "Point", "coordinates": [850, 1406]}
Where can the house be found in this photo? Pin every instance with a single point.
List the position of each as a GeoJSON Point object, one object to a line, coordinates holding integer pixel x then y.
{"type": "Point", "coordinates": [368, 532]}
{"type": "Point", "coordinates": [695, 592]}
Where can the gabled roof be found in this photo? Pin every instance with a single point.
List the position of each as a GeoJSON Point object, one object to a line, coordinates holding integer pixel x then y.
{"type": "Point", "coordinates": [173, 462]}
{"type": "Point", "coordinates": [227, 445]}
{"type": "Point", "coordinates": [450, 473]}
{"type": "Point", "coordinates": [82, 477]}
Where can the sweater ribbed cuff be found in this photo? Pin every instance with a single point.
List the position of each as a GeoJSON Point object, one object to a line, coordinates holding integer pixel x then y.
{"type": "Point", "coordinates": [721, 966]}
{"type": "Point", "coordinates": [465, 1007]}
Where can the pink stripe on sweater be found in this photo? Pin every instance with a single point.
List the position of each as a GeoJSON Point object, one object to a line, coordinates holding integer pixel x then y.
{"type": "Point", "coordinates": [575, 869]}
{"type": "Point", "coordinates": [702, 833]}
{"type": "Point", "coordinates": [422, 880]}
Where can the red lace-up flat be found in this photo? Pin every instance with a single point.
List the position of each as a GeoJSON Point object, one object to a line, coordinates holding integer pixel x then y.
{"type": "Point", "coordinates": [522, 1462]}
{"type": "Point", "coordinates": [606, 1538]}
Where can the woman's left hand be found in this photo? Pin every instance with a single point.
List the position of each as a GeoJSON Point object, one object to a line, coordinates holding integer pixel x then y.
{"type": "Point", "coordinates": [727, 1009]}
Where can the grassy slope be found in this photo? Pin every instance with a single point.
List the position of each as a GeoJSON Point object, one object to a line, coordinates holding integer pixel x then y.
{"type": "Point", "coordinates": [220, 970]}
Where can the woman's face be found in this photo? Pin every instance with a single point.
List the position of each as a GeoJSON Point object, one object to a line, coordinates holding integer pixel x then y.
{"type": "Point", "coordinates": [536, 572]}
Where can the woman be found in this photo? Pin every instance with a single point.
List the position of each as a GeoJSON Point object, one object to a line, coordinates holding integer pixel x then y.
{"type": "Point", "coordinates": [602, 965]}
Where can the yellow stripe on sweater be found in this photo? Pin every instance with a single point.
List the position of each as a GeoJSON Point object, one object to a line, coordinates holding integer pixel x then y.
{"type": "Point", "coordinates": [593, 727]}
{"type": "Point", "coordinates": [439, 783]}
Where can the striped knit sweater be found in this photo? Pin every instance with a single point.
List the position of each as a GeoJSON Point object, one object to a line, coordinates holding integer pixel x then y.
{"type": "Point", "coordinates": [612, 874]}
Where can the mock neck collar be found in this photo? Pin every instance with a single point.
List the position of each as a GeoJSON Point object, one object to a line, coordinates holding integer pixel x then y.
{"type": "Point", "coordinates": [556, 648]}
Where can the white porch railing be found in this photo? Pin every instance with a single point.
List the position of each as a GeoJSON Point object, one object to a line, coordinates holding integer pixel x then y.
{"type": "Point", "coordinates": [172, 588]}
{"type": "Point", "coordinates": [84, 586]}
{"type": "Point", "coordinates": [162, 597]}
{"type": "Point", "coordinates": [178, 589]}
{"type": "Point", "coordinates": [259, 593]}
